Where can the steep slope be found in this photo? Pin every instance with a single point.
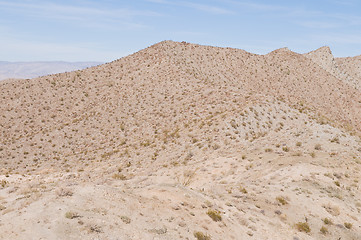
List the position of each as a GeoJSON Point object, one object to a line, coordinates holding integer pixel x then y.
{"type": "Point", "coordinates": [342, 69]}
{"type": "Point", "coordinates": [351, 65]}
{"type": "Point", "coordinates": [177, 129]}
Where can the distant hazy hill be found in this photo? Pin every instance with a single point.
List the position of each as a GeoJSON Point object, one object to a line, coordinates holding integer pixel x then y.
{"type": "Point", "coordinates": [36, 69]}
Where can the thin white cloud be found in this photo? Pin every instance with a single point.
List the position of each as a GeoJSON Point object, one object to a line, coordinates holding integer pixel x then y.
{"type": "Point", "coordinates": [188, 33]}
{"type": "Point", "coordinates": [198, 6]}
{"type": "Point", "coordinates": [345, 2]}
{"type": "Point", "coordinates": [319, 24]}
{"type": "Point", "coordinates": [257, 6]}
{"type": "Point", "coordinates": [77, 14]}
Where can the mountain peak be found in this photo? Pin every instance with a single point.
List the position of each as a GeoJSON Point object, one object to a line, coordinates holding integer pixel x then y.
{"type": "Point", "coordinates": [324, 51]}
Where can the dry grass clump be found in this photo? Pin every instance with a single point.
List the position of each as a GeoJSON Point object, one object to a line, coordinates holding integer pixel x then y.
{"type": "Point", "coordinates": [188, 177]}
{"type": "Point", "coordinates": [331, 209]}
{"type": "Point", "coordinates": [323, 230]}
{"type": "Point", "coordinates": [215, 215]}
{"type": "Point", "coordinates": [119, 176]}
{"type": "Point", "coordinates": [286, 149]}
{"type": "Point", "coordinates": [71, 215]}
{"type": "Point", "coordinates": [282, 200]}
{"type": "Point", "coordinates": [335, 140]}
{"type": "Point", "coordinates": [303, 227]}
{"type": "Point", "coordinates": [3, 183]}
{"type": "Point", "coordinates": [125, 219]}
{"type": "Point", "coordinates": [243, 190]}
{"type": "Point", "coordinates": [348, 225]}
{"type": "Point", "coordinates": [64, 192]}
{"type": "Point", "coordinates": [327, 221]}
{"type": "Point", "coordinates": [202, 236]}
{"type": "Point", "coordinates": [318, 146]}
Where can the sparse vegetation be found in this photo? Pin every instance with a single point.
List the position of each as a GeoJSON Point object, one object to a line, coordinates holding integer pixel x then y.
{"type": "Point", "coordinates": [327, 221]}
{"type": "Point", "coordinates": [323, 230]}
{"type": "Point", "coordinates": [318, 146]}
{"type": "Point", "coordinates": [71, 215]}
{"type": "Point", "coordinates": [215, 215]}
{"type": "Point", "coordinates": [282, 200]}
{"type": "Point", "coordinates": [125, 219]}
{"type": "Point", "coordinates": [242, 190]}
{"type": "Point", "coordinates": [3, 183]}
{"type": "Point", "coordinates": [119, 176]}
{"type": "Point", "coordinates": [285, 149]}
{"type": "Point", "coordinates": [158, 140]}
{"type": "Point", "coordinates": [303, 227]}
{"type": "Point", "coordinates": [348, 225]}
{"type": "Point", "coordinates": [202, 236]}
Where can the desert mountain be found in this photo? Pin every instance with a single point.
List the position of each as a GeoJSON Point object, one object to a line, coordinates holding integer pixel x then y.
{"type": "Point", "coordinates": [185, 141]}
{"type": "Point", "coordinates": [36, 69]}
{"type": "Point", "coordinates": [346, 69]}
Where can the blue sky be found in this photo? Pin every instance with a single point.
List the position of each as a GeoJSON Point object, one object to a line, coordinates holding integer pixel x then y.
{"type": "Point", "coordinates": [105, 30]}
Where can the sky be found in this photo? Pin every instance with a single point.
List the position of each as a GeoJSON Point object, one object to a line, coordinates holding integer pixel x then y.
{"type": "Point", "coordinates": [105, 30]}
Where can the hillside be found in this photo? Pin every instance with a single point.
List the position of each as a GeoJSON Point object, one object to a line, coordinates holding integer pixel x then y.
{"type": "Point", "coordinates": [36, 69]}
{"type": "Point", "coordinates": [152, 145]}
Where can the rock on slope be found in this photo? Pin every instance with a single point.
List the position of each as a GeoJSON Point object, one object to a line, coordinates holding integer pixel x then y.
{"type": "Point", "coordinates": [180, 140]}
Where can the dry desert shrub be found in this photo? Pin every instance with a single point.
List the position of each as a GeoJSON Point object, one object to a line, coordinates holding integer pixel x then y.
{"type": "Point", "coordinates": [348, 225]}
{"type": "Point", "coordinates": [71, 215]}
{"type": "Point", "coordinates": [125, 219]}
{"type": "Point", "coordinates": [3, 183]}
{"type": "Point", "coordinates": [215, 215]}
{"type": "Point", "coordinates": [285, 149]}
{"type": "Point", "coordinates": [119, 176]}
{"type": "Point", "coordinates": [282, 200]}
{"type": "Point", "coordinates": [318, 146]}
{"type": "Point", "coordinates": [303, 227]}
{"type": "Point", "coordinates": [324, 230]}
{"type": "Point", "coordinates": [64, 192]}
{"type": "Point", "coordinates": [201, 236]}
{"type": "Point", "coordinates": [188, 177]}
{"type": "Point", "coordinates": [331, 209]}
{"type": "Point", "coordinates": [327, 221]}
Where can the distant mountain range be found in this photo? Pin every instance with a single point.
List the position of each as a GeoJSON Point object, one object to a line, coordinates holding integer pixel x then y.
{"type": "Point", "coordinates": [37, 69]}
